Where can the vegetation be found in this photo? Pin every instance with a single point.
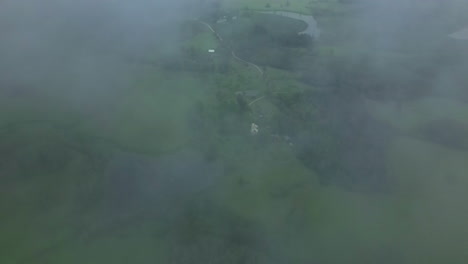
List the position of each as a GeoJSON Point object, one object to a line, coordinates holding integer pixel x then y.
{"type": "Point", "coordinates": [358, 150]}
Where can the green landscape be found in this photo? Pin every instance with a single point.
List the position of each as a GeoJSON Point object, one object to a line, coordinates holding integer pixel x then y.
{"type": "Point", "coordinates": [234, 131]}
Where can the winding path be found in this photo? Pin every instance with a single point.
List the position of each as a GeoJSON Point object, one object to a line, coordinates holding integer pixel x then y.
{"type": "Point", "coordinates": [249, 63]}
{"type": "Point", "coordinates": [232, 51]}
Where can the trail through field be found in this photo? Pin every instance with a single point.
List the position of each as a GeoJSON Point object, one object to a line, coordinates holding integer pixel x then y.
{"type": "Point", "coordinates": [232, 51]}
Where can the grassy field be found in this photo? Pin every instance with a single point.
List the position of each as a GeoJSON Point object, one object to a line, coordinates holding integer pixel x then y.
{"type": "Point", "coordinates": [202, 42]}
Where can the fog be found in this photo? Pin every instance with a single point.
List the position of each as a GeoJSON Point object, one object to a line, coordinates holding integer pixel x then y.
{"type": "Point", "coordinates": [85, 41]}
{"type": "Point", "coordinates": [123, 139]}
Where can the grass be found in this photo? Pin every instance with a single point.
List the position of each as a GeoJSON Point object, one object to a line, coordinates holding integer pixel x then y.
{"type": "Point", "coordinates": [308, 219]}
{"type": "Point", "coordinates": [257, 190]}
{"type": "Point", "coordinates": [203, 42]}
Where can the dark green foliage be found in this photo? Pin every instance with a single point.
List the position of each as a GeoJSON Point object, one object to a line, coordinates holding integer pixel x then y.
{"type": "Point", "coordinates": [295, 40]}
{"type": "Point", "coordinates": [346, 146]}
{"type": "Point", "coordinates": [205, 233]}
{"type": "Point", "coordinates": [359, 76]}
{"type": "Point", "coordinates": [39, 148]}
{"type": "Point", "coordinates": [269, 40]}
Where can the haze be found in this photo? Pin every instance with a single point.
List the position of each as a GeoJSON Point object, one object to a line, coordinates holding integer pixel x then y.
{"type": "Point", "coordinates": [233, 131]}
